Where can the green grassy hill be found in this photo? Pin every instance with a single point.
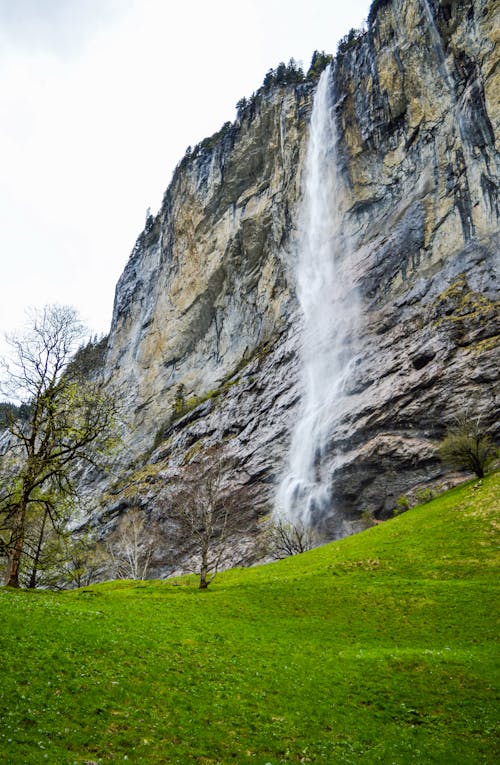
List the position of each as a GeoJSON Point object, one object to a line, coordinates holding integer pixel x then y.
{"type": "Point", "coordinates": [379, 648]}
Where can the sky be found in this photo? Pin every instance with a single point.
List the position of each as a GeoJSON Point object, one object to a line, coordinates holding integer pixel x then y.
{"type": "Point", "coordinates": [98, 101]}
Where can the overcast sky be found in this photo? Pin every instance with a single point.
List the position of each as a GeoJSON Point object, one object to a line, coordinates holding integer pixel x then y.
{"type": "Point", "coordinates": [98, 101]}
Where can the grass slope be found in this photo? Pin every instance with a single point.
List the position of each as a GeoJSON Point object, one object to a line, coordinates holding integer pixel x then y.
{"type": "Point", "coordinates": [379, 648]}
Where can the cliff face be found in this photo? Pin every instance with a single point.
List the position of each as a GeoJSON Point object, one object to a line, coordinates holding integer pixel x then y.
{"type": "Point", "coordinates": [205, 339]}
{"type": "Point", "coordinates": [419, 117]}
{"type": "Point", "coordinates": [208, 280]}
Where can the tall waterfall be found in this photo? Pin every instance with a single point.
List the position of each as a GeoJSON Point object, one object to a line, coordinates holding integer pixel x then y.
{"type": "Point", "coordinates": [329, 313]}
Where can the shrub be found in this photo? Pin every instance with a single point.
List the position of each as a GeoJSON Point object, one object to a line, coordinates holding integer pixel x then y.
{"type": "Point", "coordinates": [402, 505]}
{"type": "Point", "coordinates": [368, 517]}
{"type": "Point", "coordinates": [423, 495]}
{"type": "Point", "coordinates": [466, 445]}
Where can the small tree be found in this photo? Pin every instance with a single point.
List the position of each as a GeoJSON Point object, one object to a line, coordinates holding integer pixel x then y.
{"type": "Point", "coordinates": [69, 420]}
{"type": "Point", "coordinates": [204, 502]}
{"type": "Point", "coordinates": [467, 445]}
{"type": "Point", "coordinates": [132, 547]}
{"type": "Point", "coordinates": [287, 538]}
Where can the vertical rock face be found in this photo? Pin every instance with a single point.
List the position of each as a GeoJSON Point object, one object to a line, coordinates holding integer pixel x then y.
{"type": "Point", "coordinates": [206, 329]}
{"type": "Point", "coordinates": [420, 124]}
{"type": "Point", "coordinates": [208, 280]}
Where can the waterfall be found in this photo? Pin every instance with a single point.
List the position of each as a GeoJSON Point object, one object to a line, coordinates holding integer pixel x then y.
{"type": "Point", "coordinates": [328, 306]}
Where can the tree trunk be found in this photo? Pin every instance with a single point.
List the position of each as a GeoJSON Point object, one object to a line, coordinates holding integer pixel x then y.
{"type": "Point", "coordinates": [12, 579]}
{"type": "Point", "coordinates": [203, 570]}
{"type": "Point", "coordinates": [36, 560]}
{"type": "Point", "coordinates": [16, 551]}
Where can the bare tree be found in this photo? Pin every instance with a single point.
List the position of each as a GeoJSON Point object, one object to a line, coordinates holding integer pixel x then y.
{"type": "Point", "coordinates": [287, 538]}
{"type": "Point", "coordinates": [132, 547]}
{"type": "Point", "coordinates": [70, 418]}
{"type": "Point", "coordinates": [467, 445]}
{"type": "Point", "coordinates": [205, 503]}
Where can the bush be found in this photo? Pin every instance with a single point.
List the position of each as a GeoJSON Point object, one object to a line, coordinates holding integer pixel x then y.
{"type": "Point", "coordinates": [466, 445]}
{"type": "Point", "coordinates": [368, 518]}
{"type": "Point", "coordinates": [402, 505]}
{"type": "Point", "coordinates": [423, 495]}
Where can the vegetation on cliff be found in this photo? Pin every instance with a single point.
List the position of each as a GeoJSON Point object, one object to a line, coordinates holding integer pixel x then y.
{"type": "Point", "coordinates": [375, 8]}
{"type": "Point", "coordinates": [282, 76]}
{"type": "Point", "coordinates": [10, 412]}
{"type": "Point", "coordinates": [378, 648]}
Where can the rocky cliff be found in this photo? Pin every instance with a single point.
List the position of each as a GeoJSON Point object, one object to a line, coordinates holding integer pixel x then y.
{"type": "Point", "coordinates": [205, 339]}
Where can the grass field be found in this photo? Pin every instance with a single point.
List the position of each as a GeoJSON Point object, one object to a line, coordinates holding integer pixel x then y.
{"type": "Point", "coordinates": [380, 648]}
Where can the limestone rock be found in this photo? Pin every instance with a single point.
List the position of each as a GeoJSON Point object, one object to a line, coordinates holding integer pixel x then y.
{"type": "Point", "coordinates": [206, 331]}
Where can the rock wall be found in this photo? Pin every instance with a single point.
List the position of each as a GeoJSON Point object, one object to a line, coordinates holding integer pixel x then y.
{"type": "Point", "coordinates": [205, 338]}
{"type": "Point", "coordinates": [208, 280]}
{"type": "Point", "coordinates": [420, 123]}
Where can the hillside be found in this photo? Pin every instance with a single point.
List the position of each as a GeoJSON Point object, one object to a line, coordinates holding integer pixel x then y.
{"type": "Point", "coordinates": [378, 648]}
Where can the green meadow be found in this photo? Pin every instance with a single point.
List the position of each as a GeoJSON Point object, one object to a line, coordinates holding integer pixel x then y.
{"type": "Point", "coordinates": [379, 648]}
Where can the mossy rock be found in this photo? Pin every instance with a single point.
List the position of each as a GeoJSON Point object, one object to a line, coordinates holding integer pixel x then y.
{"type": "Point", "coordinates": [459, 302]}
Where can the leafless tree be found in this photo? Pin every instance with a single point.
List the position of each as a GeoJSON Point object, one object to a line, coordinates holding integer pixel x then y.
{"type": "Point", "coordinates": [132, 546]}
{"type": "Point", "coordinates": [70, 418]}
{"type": "Point", "coordinates": [205, 503]}
{"type": "Point", "coordinates": [287, 538]}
